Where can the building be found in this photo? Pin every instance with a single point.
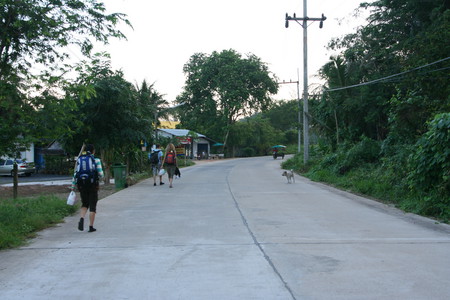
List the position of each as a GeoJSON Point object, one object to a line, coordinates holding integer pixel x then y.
{"type": "Point", "coordinates": [192, 144]}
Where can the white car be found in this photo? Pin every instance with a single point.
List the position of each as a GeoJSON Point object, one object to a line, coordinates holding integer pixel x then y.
{"type": "Point", "coordinates": [23, 168]}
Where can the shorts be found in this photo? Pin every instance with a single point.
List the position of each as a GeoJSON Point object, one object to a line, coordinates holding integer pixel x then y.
{"type": "Point", "coordinates": [171, 170]}
{"type": "Point", "coordinates": [89, 197]}
{"type": "Point", "coordinates": [155, 169]}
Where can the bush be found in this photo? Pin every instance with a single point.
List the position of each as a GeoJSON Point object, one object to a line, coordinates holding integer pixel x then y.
{"type": "Point", "coordinates": [248, 152]}
{"type": "Point", "coordinates": [429, 166]}
{"type": "Point", "coordinates": [366, 151]}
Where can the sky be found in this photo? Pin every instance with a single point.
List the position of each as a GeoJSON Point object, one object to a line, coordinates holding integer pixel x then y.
{"type": "Point", "coordinates": [166, 34]}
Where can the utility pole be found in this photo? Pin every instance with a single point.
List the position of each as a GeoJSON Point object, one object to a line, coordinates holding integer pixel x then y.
{"type": "Point", "coordinates": [304, 24]}
{"type": "Point", "coordinates": [299, 111]}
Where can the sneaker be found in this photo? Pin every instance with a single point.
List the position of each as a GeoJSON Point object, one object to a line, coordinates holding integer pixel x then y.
{"type": "Point", "coordinates": [161, 183]}
{"type": "Point", "coordinates": [81, 224]}
{"type": "Point", "coordinates": [92, 229]}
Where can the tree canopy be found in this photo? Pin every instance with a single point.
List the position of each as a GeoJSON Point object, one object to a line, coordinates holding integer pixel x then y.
{"type": "Point", "coordinates": [406, 37]}
{"type": "Point", "coordinates": [35, 36]}
{"type": "Point", "coordinates": [222, 87]}
{"type": "Point", "coordinates": [36, 31]}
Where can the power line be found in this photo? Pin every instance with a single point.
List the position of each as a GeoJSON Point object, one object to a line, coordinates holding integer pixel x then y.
{"type": "Point", "coordinates": [387, 77]}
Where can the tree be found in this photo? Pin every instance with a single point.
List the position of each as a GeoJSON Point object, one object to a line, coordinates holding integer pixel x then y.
{"type": "Point", "coordinates": [283, 115]}
{"type": "Point", "coordinates": [114, 116]}
{"type": "Point", "coordinates": [152, 104]}
{"type": "Point", "coordinates": [253, 135]}
{"type": "Point", "coordinates": [221, 88]}
{"type": "Point", "coordinates": [35, 31]}
{"type": "Point", "coordinates": [33, 36]}
{"type": "Point", "coordinates": [401, 36]}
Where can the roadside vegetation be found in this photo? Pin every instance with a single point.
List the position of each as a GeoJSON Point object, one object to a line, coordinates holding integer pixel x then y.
{"type": "Point", "coordinates": [379, 125]}
{"type": "Point", "coordinates": [21, 218]}
{"type": "Point", "coordinates": [415, 179]}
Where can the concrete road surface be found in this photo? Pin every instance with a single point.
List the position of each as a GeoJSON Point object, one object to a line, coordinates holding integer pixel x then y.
{"type": "Point", "coordinates": [234, 229]}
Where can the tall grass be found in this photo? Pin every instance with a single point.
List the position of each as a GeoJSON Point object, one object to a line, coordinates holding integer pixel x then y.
{"type": "Point", "coordinates": [21, 218]}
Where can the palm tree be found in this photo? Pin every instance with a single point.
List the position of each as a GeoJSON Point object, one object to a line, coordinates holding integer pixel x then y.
{"type": "Point", "coordinates": [152, 102]}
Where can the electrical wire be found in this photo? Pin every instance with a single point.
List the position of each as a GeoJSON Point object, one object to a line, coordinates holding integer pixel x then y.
{"type": "Point", "coordinates": [388, 77]}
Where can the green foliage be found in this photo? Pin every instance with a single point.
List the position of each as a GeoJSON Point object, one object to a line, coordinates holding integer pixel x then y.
{"type": "Point", "coordinates": [430, 162]}
{"type": "Point", "coordinates": [21, 218]}
{"type": "Point", "coordinates": [400, 36]}
{"type": "Point", "coordinates": [348, 157]}
{"type": "Point", "coordinates": [152, 105]}
{"type": "Point", "coordinates": [283, 115]}
{"type": "Point", "coordinates": [16, 116]}
{"type": "Point", "coordinates": [33, 61]}
{"type": "Point", "coordinates": [404, 159]}
{"type": "Point", "coordinates": [254, 133]}
{"type": "Point", "coordinates": [248, 152]}
{"type": "Point", "coordinates": [429, 165]}
{"type": "Point", "coordinates": [221, 88]}
{"type": "Point", "coordinates": [115, 117]}
{"type": "Point", "coordinates": [393, 179]}
{"type": "Point", "coordinates": [58, 164]}
{"type": "Point", "coordinates": [37, 30]}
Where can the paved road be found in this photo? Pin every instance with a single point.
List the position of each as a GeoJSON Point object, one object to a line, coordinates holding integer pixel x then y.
{"type": "Point", "coordinates": [234, 229]}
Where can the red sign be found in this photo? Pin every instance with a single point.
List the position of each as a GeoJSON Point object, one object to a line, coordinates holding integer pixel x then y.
{"type": "Point", "coordinates": [184, 140]}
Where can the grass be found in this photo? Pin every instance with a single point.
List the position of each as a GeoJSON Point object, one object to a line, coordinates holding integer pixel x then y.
{"type": "Point", "coordinates": [373, 181]}
{"type": "Point", "coordinates": [21, 218]}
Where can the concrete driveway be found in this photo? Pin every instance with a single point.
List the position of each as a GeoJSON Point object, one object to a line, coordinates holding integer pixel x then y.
{"type": "Point", "coordinates": [235, 229]}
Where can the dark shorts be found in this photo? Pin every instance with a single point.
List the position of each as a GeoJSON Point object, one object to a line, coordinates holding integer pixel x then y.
{"type": "Point", "coordinates": [89, 197]}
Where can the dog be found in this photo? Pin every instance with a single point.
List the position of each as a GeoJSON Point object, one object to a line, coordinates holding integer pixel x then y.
{"type": "Point", "coordinates": [289, 175]}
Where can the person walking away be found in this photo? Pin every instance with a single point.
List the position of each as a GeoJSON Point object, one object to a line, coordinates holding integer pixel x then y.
{"type": "Point", "coordinates": [156, 162]}
{"type": "Point", "coordinates": [88, 172]}
{"type": "Point", "coordinates": [170, 161]}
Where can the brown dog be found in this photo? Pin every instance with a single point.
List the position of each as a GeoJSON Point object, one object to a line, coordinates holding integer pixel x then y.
{"type": "Point", "coordinates": [289, 175]}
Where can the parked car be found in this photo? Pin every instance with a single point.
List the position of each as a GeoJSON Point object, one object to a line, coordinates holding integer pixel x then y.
{"type": "Point", "coordinates": [23, 168]}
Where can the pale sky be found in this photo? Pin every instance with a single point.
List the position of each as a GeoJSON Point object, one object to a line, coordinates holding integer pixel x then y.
{"type": "Point", "coordinates": [167, 33]}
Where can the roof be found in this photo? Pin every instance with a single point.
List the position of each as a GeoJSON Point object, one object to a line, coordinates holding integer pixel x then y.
{"type": "Point", "coordinates": [180, 132]}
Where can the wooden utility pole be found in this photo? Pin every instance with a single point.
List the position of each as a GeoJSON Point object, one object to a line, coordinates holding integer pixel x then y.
{"type": "Point", "coordinates": [15, 180]}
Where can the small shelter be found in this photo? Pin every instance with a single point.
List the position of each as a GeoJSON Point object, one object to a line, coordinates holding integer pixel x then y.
{"type": "Point", "coordinates": [193, 144]}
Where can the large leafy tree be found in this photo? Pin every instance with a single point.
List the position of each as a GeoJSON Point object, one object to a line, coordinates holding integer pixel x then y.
{"type": "Point", "coordinates": [35, 31]}
{"type": "Point", "coordinates": [114, 117]}
{"type": "Point", "coordinates": [222, 87]}
{"type": "Point", "coordinates": [34, 36]}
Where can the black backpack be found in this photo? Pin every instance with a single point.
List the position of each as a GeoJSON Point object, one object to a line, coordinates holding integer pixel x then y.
{"type": "Point", "coordinates": [154, 159]}
{"type": "Point", "coordinates": [86, 174]}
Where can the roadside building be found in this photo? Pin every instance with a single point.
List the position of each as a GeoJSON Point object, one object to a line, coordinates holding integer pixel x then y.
{"type": "Point", "coordinates": [192, 144]}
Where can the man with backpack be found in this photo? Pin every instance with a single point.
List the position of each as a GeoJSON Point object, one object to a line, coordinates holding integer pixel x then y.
{"type": "Point", "coordinates": [155, 161]}
{"type": "Point", "coordinates": [88, 172]}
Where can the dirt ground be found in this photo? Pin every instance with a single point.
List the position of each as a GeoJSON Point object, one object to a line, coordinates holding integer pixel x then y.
{"type": "Point", "coordinates": [61, 191]}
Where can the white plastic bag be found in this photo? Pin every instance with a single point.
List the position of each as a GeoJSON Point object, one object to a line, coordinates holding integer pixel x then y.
{"type": "Point", "coordinates": [162, 172]}
{"type": "Point", "coordinates": [72, 199]}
